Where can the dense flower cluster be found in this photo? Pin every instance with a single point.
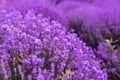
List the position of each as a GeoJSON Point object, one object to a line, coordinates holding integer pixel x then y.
{"type": "Point", "coordinates": [40, 6]}
{"type": "Point", "coordinates": [34, 48]}
{"type": "Point", "coordinates": [110, 4]}
{"type": "Point", "coordinates": [93, 23]}
{"type": "Point", "coordinates": [109, 56]}
{"type": "Point", "coordinates": [49, 39]}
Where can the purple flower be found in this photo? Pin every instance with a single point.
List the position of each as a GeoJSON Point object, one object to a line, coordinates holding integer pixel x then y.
{"type": "Point", "coordinates": [44, 49]}
{"type": "Point", "coordinates": [109, 58]}
{"type": "Point", "coordinates": [39, 6]}
{"type": "Point", "coordinates": [93, 23]}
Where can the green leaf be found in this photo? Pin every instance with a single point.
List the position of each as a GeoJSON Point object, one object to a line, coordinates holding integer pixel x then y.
{"type": "Point", "coordinates": [19, 58]}
{"type": "Point", "coordinates": [62, 77]}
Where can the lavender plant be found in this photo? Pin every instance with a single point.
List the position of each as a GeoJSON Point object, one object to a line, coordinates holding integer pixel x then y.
{"type": "Point", "coordinates": [109, 4]}
{"type": "Point", "coordinates": [66, 6]}
{"type": "Point", "coordinates": [33, 47]}
{"type": "Point", "coordinates": [40, 6]}
{"type": "Point", "coordinates": [93, 24]}
{"type": "Point", "coordinates": [109, 56]}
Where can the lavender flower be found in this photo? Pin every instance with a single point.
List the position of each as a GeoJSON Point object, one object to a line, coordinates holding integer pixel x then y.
{"type": "Point", "coordinates": [40, 6]}
{"type": "Point", "coordinates": [67, 6]}
{"type": "Point", "coordinates": [108, 55]}
{"type": "Point", "coordinates": [37, 48]}
{"type": "Point", "coordinates": [92, 23]}
{"type": "Point", "coordinates": [109, 4]}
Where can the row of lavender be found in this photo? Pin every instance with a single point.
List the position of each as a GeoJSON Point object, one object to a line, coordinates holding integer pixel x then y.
{"type": "Point", "coordinates": [36, 42]}
{"type": "Point", "coordinates": [97, 23]}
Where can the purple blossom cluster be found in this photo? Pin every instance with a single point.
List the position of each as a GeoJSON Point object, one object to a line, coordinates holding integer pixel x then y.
{"type": "Point", "coordinates": [40, 6]}
{"type": "Point", "coordinates": [59, 40]}
{"type": "Point", "coordinates": [94, 22]}
{"type": "Point", "coordinates": [34, 48]}
{"type": "Point", "coordinates": [109, 56]}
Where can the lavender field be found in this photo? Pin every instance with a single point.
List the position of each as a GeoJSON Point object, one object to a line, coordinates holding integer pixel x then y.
{"type": "Point", "coordinates": [59, 39]}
